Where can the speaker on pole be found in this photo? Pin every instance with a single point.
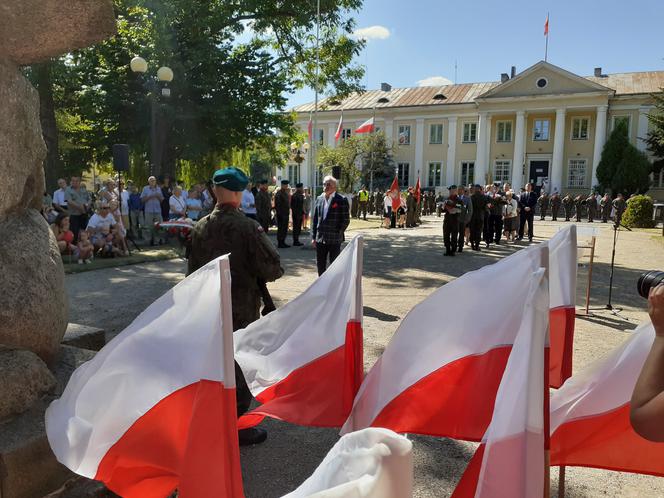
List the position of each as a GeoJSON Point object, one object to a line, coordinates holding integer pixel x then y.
{"type": "Point", "coordinates": [121, 157]}
{"type": "Point", "coordinates": [336, 172]}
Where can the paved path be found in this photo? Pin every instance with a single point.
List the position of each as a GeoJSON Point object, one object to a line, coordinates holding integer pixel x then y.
{"type": "Point", "coordinates": [402, 267]}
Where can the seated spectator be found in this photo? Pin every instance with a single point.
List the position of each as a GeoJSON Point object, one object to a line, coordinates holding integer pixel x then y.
{"type": "Point", "coordinates": [194, 205]}
{"type": "Point", "coordinates": [85, 248]}
{"type": "Point", "coordinates": [63, 235]}
{"type": "Point", "coordinates": [177, 204]}
{"type": "Point", "coordinates": [99, 227]}
{"type": "Point", "coordinates": [59, 202]}
{"type": "Point", "coordinates": [135, 212]}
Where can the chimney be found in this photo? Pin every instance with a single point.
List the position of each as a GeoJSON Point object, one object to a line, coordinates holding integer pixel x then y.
{"type": "Point", "coordinates": [512, 75]}
{"type": "Point", "coordinates": [504, 77]}
{"type": "Point", "coordinates": [385, 87]}
{"type": "Point", "coordinates": [598, 72]}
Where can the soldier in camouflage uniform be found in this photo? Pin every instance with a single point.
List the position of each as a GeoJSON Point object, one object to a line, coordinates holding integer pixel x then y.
{"type": "Point", "coordinates": [543, 203]}
{"type": "Point", "coordinates": [605, 206]}
{"type": "Point", "coordinates": [619, 205]}
{"type": "Point", "coordinates": [253, 261]}
{"type": "Point", "coordinates": [263, 206]}
{"type": "Point", "coordinates": [555, 202]}
{"type": "Point", "coordinates": [579, 201]}
{"type": "Point", "coordinates": [568, 205]}
{"type": "Point", "coordinates": [591, 206]}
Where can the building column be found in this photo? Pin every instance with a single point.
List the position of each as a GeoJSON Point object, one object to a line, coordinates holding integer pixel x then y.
{"type": "Point", "coordinates": [419, 150]}
{"type": "Point", "coordinates": [481, 154]}
{"type": "Point", "coordinates": [451, 150]}
{"type": "Point", "coordinates": [556, 170]}
{"type": "Point", "coordinates": [519, 149]}
{"type": "Point", "coordinates": [389, 130]}
{"type": "Point", "coordinates": [600, 139]}
{"type": "Point", "coordinates": [642, 130]}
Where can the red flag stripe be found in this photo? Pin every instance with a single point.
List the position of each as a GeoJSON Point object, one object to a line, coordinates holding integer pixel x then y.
{"type": "Point", "coordinates": [561, 330]}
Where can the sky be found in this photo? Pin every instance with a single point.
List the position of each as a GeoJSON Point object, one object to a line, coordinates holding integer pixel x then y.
{"type": "Point", "coordinates": [410, 43]}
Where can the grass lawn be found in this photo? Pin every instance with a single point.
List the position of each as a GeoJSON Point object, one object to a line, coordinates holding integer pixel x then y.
{"type": "Point", "coordinates": [147, 254]}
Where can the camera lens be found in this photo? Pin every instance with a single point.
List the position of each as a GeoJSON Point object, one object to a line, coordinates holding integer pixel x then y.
{"type": "Point", "coordinates": [648, 280]}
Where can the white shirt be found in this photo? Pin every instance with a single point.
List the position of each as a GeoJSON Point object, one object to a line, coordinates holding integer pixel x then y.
{"type": "Point", "coordinates": [59, 198]}
{"type": "Point", "coordinates": [178, 205]}
{"type": "Point", "coordinates": [101, 223]}
{"type": "Point", "coordinates": [248, 203]}
{"type": "Point", "coordinates": [326, 204]}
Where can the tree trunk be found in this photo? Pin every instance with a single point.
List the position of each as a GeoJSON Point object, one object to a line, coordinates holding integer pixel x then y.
{"type": "Point", "coordinates": [52, 167]}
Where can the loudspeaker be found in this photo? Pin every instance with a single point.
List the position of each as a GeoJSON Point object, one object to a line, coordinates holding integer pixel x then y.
{"type": "Point", "coordinates": [336, 172]}
{"type": "Point", "coordinates": [121, 157]}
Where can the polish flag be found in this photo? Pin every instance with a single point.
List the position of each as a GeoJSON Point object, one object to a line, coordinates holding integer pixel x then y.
{"type": "Point", "coordinates": [447, 357]}
{"type": "Point", "coordinates": [394, 194]}
{"type": "Point", "coordinates": [155, 409]}
{"type": "Point", "coordinates": [546, 26]}
{"type": "Point", "coordinates": [510, 460]}
{"type": "Point", "coordinates": [417, 190]}
{"type": "Point", "coordinates": [590, 424]}
{"type": "Point", "coordinates": [366, 127]}
{"type": "Point", "coordinates": [371, 463]}
{"type": "Point", "coordinates": [304, 362]}
{"type": "Point", "coordinates": [562, 288]}
{"type": "Point", "coordinates": [340, 128]}
{"type": "Point", "coordinates": [310, 129]}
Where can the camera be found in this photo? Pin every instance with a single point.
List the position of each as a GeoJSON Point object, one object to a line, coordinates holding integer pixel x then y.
{"type": "Point", "coordinates": [648, 280]}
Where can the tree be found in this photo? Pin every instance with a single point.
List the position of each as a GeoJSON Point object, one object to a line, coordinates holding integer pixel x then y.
{"type": "Point", "coordinates": [344, 156]}
{"type": "Point", "coordinates": [622, 167]}
{"type": "Point", "coordinates": [377, 159]}
{"type": "Point", "coordinates": [655, 139]}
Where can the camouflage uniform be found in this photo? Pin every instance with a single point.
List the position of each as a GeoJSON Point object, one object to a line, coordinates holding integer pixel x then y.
{"type": "Point", "coordinates": [543, 203]}
{"type": "Point", "coordinates": [591, 206]}
{"type": "Point", "coordinates": [555, 202]}
{"type": "Point", "coordinates": [568, 204]}
{"type": "Point", "coordinates": [263, 209]}
{"type": "Point", "coordinates": [579, 201]}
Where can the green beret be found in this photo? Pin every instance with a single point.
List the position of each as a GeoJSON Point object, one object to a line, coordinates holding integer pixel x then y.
{"type": "Point", "coordinates": [230, 178]}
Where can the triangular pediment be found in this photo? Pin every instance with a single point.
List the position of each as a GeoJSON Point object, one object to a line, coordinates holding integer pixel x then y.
{"type": "Point", "coordinates": [544, 79]}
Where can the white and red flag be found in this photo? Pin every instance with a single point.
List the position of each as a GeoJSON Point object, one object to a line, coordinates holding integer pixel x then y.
{"type": "Point", "coordinates": [304, 361]}
{"type": "Point", "coordinates": [446, 359]}
{"type": "Point", "coordinates": [546, 26]}
{"type": "Point", "coordinates": [394, 194]}
{"type": "Point", "coordinates": [366, 127]}
{"type": "Point", "coordinates": [510, 460]}
{"type": "Point", "coordinates": [562, 289]}
{"type": "Point", "coordinates": [340, 127]}
{"type": "Point", "coordinates": [310, 129]}
{"type": "Point", "coordinates": [155, 409]}
{"type": "Point", "coordinates": [590, 424]}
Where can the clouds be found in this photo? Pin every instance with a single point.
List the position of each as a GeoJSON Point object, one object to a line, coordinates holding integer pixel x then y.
{"type": "Point", "coordinates": [372, 33]}
{"type": "Point", "coordinates": [435, 81]}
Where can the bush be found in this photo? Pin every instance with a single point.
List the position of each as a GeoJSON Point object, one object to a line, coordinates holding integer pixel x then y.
{"type": "Point", "coordinates": [639, 212]}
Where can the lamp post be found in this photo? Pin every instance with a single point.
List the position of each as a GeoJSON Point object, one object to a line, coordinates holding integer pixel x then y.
{"type": "Point", "coordinates": [298, 155]}
{"type": "Point", "coordinates": [164, 76]}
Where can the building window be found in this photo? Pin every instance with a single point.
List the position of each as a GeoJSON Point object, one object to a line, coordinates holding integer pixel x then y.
{"type": "Point", "coordinates": [321, 137]}
{"type": "Point", "coordinates": [436, 134]}
{"type": "Point", "coordinates": [469, 133]}
{"type": "Point", "coordinates": [403, 173]}
{"type": "Point", "coordinates": [502, 171]}
{"type": "Point", "coordinates": [504, 131]}
{"type": "Point", "coordinates": [467, 172]}
{"type": "Point", "coordinates": [541, 130]}
{"type": "Point", "coordinates": [346, 133]}
{"type": "Point", "coordinates": [404, 134]}
{"type": "Point", "coordinates": [580, 128]}
{"type": "Point", "coordinates": [576, 173]}
{"type": "Point", "coordinates": [435, 174]}
{"type": "Point", "coordinates": [621, 119]}
{"type": "Point", "coordinates": [658, 179]}
{"type": "Point", "coordinates": [541, 82]}
{"type": "Point", "coordinates": [294, 173]}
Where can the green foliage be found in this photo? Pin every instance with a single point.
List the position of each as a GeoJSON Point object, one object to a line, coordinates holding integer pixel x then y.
{"type": "Point", "coordinates": [377, 158]}
{"type": "Point", "coordinates": [639, 212]}
{"type": "Point", "coordinates": [623, 168]}
{"type": "Point", "coordinates": [345, 156]}
{"type": "Point", "coordinates": [655, 139]}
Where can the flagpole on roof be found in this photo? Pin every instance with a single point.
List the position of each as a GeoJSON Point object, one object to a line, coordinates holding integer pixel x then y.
{"type": "Point", "coordinates": [546, 35]}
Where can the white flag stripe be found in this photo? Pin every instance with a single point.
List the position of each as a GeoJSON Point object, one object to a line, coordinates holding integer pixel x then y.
{"type": "Point", "coordinates": [269, 349]}
{"type": "Point", "coordinates": [372, 463]}
{"type": "Point", "coordinates": [175, 342]}
{"type": "Point", "coordinates": [510, 469]}
{"type": "Point", "coordinates": [606, 384]}
{"type": "Point", "coordinates": [449, 324]}
{"type": "Point", "coordinates": [563, 261]}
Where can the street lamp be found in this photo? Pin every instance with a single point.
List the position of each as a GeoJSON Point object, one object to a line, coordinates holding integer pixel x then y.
{"type": "Point", "coordinates": [298, 155]}
{"type": "Point", "coordinates": [164, 76]}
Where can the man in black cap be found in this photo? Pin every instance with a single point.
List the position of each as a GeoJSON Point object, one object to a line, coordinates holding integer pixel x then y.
{"type": "Point", "coordinates": [263, 206]}
{"type": "Point", "coordinates": [480, 202]}
{"type": "Point", "coordinates": [226, 230]}
{"type": "Point", "coordinates": [452, 207]}
{"type": "Point", "coordinates": [282, 208]}
{"type": "Point", "coordinates": [297, 207]}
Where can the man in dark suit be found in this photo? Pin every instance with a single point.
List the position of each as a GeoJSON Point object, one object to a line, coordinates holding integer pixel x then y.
{"type": "Point", "coordinates": [331, 218]}
{"type": "Point", "coordinates": [297, 208]}
{"type": "Point", "coordinates": [527, 203]}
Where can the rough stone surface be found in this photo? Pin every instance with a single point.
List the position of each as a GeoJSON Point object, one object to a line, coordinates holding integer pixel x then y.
{"type": "Point", "coordinates": [25, 378]}
{"type": "Point", "coordinates": [83, 336]}
{"type": "Point", "coordinates": [35, 30]}
{"type": "Point", "coordinates": [33, 302]}
{"type": "Point", "coordinates": [68, 360]}
{"type": "Point", "coordinates": [21, 142]}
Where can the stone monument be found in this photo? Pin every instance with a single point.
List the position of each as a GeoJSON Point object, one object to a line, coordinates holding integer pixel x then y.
{"type": "Point", "coordinates": [33, 304]}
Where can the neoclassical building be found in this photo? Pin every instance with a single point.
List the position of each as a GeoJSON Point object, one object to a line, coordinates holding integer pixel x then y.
{"type": "Point", "coordinates": [544, 124]}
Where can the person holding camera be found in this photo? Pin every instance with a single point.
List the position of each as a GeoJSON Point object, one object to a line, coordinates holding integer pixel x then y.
{"type": "Point", "coordinates": [647, 406]}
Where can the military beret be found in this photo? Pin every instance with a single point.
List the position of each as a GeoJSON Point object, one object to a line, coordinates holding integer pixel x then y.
{"type": "Point", "coordinates": [451, 187]}
{"type": "Point", "coordinates": [477, 185]}
{"type": "Point", "coordinates": [230, 178]}
{"type": "Point", "coordinates": [299, 185]}
{"type": "Point", "coordinates": [285, 182]}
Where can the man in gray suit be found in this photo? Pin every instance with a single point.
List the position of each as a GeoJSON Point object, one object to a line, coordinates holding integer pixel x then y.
{"type": "Point", "coordinates": [331, 218]}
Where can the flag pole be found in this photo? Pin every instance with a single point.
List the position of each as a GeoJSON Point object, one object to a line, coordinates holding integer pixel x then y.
{"type": "Point", "coordinates": [546, 44]}
{"type": "Point", "coordinates": [314, 166]}
{"type": "Point", "coordinates": [373, 145]}
{"type": "Point", "coordinates": [561, 482]}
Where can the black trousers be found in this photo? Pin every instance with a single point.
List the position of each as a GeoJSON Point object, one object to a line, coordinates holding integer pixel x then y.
{"type": "Point", "coordinates": [487, 235]}
{"type": "Point", "coordinates": [451, 232]}
{"type": "Point", "coordinates": [78, 222]}
{"type": "Point", "coordinates": [282, 228]}
{"type": "Point", "coordinates": [495, 228]}
{"type": "Point", "coordinates": [297, 227]}
{"type": "Point", "coordinates": [526, 216]}
{"type": "Point", "coordinates": [243, 395]}
{"type": "Point", "coordinates": [476, 225]}
{"type": "Point", "coordinates": [461, 237]}
{"type": "Point", "coordinates": [363, 209]}
{"type": "Point", "coordinates": [323, 251]}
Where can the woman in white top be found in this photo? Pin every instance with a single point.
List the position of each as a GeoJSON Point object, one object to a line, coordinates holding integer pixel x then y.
{"type": "Point", "coordinates": [510, 213]}
{"type": "Point", "coordinates": [178, 206]}
{"type": "Point", "coordinates": [99, 226]}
